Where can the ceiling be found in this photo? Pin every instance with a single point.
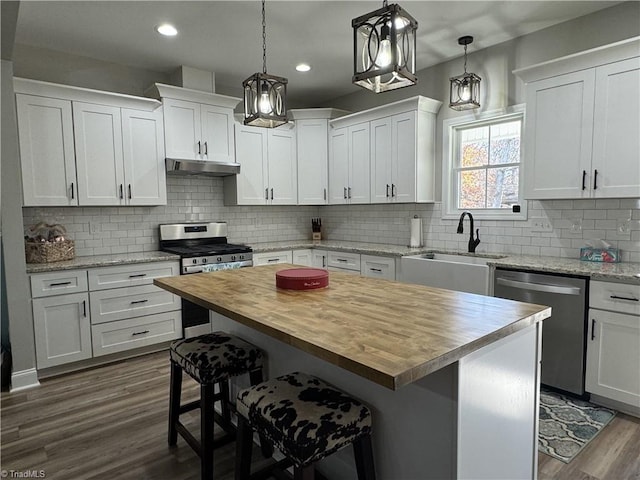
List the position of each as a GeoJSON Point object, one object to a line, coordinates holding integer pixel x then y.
{"type": "Point", "coordinates": [226, 37]}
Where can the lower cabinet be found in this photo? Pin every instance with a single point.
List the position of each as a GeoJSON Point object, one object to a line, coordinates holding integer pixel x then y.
{"type": "Point", "coordinates": [269, 258]}
{"type": "Point", "coordinates": [310, 257]}
{"type": "Point", "coordinates": [346, 262]}
{"type": "Point", "coordinates": [79, 314]}
{"type": "Point", "coordinates": [378, 267]}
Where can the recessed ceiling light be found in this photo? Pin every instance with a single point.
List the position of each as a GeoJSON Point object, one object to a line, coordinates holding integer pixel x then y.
{"type": "Point", "coordinates": [303, 67]}
{"type": "Point", "coordinates": [167, 30]}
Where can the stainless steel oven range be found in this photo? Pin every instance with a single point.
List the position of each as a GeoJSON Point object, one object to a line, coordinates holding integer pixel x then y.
{"type": "Point", "coordinates": [202, 247]}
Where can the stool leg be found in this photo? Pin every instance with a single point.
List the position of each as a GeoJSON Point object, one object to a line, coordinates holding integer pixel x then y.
{"type": "Point", "coordinates": [244, 444]}
{"type": "Point", "coordinates": [224, 406]}
{"type": "Point", "coordinates": [363, 453]}
{"type": "Point", "coordinates": [304, 473]}
{"type": "Point", "coordinates": [175, 390]}
{"type": "Point", "coordinates": [206, 431]}
{"type": "Point", "coordinates": [255, 377]}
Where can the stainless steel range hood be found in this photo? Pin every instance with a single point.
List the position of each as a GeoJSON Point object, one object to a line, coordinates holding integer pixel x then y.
{"type": "Point", "coordinates": [199, 167]}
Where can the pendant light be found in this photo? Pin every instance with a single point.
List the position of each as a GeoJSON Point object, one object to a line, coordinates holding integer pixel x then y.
{"type": "Point", "coordinates": [464, 92]}
{"type": "Point", "coordinates": [384, 49]}
{"type": "Point", "coordinates": [265, 95]}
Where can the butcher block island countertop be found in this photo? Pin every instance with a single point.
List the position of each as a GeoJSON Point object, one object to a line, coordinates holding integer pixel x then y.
{"type": "Point", "coordinates": [388, 332]}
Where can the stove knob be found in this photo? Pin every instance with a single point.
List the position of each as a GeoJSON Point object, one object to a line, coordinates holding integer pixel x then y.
{"type": "Point", "coordinates": [204, 260]}
{"type": "Point", "coordinates": [241, 257]}
{"type": "Point", "coordinates": [219, 259]}
{"type": "Point", "coordinates": [194, 261]}
{"type": "Point", "coordinates": [233, 258]}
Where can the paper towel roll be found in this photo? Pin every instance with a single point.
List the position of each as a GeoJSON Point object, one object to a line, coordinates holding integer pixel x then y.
{"type": "Point", "coordinates": [416, 232]}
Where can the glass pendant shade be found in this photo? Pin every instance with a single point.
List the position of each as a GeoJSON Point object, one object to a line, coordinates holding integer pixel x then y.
{"type": "Point", "coordinates": [384, 49]}
{"type": "Point", "coordinates": [464, 90]}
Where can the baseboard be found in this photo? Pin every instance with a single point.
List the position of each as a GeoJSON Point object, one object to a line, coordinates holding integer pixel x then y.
{"type": "Point", "coordinates": [24, 379]}
{"type": "Point", "coordinates": [616, 405]}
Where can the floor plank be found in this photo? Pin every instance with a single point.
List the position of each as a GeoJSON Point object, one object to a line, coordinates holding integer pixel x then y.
{"type": "Point", "coordinates": [110, 423]}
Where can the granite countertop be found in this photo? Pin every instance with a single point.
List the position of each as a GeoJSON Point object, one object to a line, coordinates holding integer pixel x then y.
{"type": "Point", "coordinates": [342, 246]}
{"type": "Point", "coordinates": [341, 323]}
{"type": "Point", "coordinates": [102, 261]}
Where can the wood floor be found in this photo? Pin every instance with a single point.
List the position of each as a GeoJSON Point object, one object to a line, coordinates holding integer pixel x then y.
{"type": "Point", "coordinates": [111, 423]}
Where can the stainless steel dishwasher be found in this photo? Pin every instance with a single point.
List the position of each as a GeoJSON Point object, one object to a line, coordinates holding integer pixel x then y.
{"type": "Point", "coordinates": [564, 333]}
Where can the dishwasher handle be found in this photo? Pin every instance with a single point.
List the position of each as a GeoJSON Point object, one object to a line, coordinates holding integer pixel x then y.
{"type": "Point", "coordinates": [539, 287]}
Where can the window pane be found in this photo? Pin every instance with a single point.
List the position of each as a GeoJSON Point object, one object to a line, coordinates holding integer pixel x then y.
{"type": "Point", "coordinates": [474, 147]}
{"type": "Point", "coordinates": [502, 187]}
{"type": "Point", "coordinates": [472, 193]}
{"type": "Point", "coordinates": [505, 143]}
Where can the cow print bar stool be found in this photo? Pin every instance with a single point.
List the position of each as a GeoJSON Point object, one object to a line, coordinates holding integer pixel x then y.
{"type": "Point", "coordinates": [210, 359]}
{"type": "Point", "coordinates": [307, 420]}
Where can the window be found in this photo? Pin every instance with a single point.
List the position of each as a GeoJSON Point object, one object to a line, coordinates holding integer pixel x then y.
{"type": "Point", "coordinates": [482, 166]}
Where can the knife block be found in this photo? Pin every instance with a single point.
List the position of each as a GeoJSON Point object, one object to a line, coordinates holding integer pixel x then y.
{"type": "Point", "coordinates": [316, 235]}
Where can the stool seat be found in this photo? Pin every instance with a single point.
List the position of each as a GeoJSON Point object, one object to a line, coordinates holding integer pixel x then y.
{"type": "Point", "coordinates": [304, 417]}
{"type": "Point", "coordinates": [216, 356]}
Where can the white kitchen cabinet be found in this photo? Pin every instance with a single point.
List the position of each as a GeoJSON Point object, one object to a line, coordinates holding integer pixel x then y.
{"type": "Point", "coordinates": [310, 257]}
{"type": "Point", "coordinates": [344, 261]}
{"type": "Point", "coordinates": [312, 139]}
{"type": "Point", "coordinates": [582, 121]}
{"type": "Point", "coordinates": [198, 125]}
{"type": "Point", "coordinates": [613, 348]}
{"type": "Point", "coordinates": [47, 160]}
{"type": "Point", "coordinates": [268, 167]}
{"type": "Point", "coordinates": [269, 258]}
{"type": "Point", "coordinates": [349, 164]}
{"type": "Point", "coordinates": [375, 266]}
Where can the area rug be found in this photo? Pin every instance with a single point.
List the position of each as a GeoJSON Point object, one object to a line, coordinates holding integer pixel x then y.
{"type": "Point", "coordinates": [568, 424]}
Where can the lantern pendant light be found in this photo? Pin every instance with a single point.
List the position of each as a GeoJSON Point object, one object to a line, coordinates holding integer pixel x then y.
{"type": "Point", "coordinates": [384, 49]}
{"type": "Point", "coordinates": [265, 95]}
{"type": "Point", "coordinates": [464, 91]}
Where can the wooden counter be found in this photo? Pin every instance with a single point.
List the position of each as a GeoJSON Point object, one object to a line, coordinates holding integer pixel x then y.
{"type": "Point", "coordinates": [388, 332]}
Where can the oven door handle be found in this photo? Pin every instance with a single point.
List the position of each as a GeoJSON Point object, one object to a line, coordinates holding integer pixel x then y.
{"type": "Point", "coordinates": [197, 269]}
{"type": "Point", "coordinates": [539, 287]}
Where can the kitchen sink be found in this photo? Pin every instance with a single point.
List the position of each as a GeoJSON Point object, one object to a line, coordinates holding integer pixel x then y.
{"type": "Point", "coordinates": [463, 273]}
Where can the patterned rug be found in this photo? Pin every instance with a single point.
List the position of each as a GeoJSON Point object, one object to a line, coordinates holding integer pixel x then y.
{"type": "Point", "coordinates": [567, 424]}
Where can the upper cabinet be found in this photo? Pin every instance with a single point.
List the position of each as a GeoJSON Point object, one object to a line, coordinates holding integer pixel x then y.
{"type": "Point", "coordinates": [582, 124]}
{"type": "Point", "coordinates": [198, 125]}
{"type": "Point", "coordinates": [312, 139]}
{"type": "Point", "coordinates": [86, 147]}
{"type": "Point", "coordinates": [384, 155]}
{"type": "Point", "coordinates": [268, 168]}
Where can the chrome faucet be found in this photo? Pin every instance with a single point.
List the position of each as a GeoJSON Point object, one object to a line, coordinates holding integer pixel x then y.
{"type": "Point", "coordinates": [473, 242]}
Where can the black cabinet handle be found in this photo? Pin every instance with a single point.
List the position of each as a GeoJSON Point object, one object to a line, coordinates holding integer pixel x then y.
{"type": "Point", "coordinates": [584, 177]}
{"type": "Point", "coordinates": [387, 190]}
{"type": "Point", "coordinates": [139, 333]}
{"type": "Point", "coordinates": [345, 192]}
{"type": "Point", "coordinates": [616, 297]}
{"type": "Point", "coordinates": [325, 193]}
{"type": "Point", "coordinates": [139, 301]}
{"type": "Point", "coordinates": [595, 179]}
{"type": "Point", "coordinates": [121, 191]}
{"type": "Point", "coordinates": [138, 275]}
{"type": "Point", "coordinates": [344, 260]}
{"type": "Point", "coordinates": [349, 194]}
{"type": "Point", "coordinates": [593, 329]}
{"type": "Point", "coordinates": [73, 195]}
{"type": "Point", "coordinates": [393, 189]}
{"type": "Point", "coordinates": [272, 194]}
{"type": "Point", "coordinates": [199, 148]}
{"type": "Point", "coordinates": [84, 308]}
{"type": "Point", "coordinates": [206, 149]}
{"type": "Point", "coordinates": [271, 260]}
{"type": "Point", "coordinates": [59, 284]}
{"type": "Point", "coordinates": [376, 270]}
{"type": "Point", "coordinates": [324, 264]}
{"type": "Point", "coordinates": [266, 194]}
{"type": "Point", "coordinates": [129, 191]}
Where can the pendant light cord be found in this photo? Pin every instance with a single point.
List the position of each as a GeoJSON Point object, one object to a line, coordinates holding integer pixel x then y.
{"type": "Point", "coordinates": [465, 59]}
{"type": "Point", "coordinates": [264, 40]}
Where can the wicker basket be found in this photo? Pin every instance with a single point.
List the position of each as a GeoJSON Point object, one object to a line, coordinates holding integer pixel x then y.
{"type": "Point", "coordinates": [47, 252]}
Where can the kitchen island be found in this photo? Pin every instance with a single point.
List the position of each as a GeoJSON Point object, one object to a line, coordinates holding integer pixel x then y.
{"type": "Point", "coordinates": [452, 378]}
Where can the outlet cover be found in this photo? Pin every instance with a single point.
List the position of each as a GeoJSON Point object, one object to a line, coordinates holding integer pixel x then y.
{"type": "Point", "coordinates": [541, 225]}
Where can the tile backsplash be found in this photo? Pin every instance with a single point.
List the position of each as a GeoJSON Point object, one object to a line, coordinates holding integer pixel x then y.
{"type": "Point", "coordinates": [103, 230]}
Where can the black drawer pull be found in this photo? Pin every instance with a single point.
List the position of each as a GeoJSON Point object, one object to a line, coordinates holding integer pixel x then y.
{"type": "Point", "coordinates": [121, 192]}
{"type": "Point", "coordinates": [139, 301]}
{"type": "Point", "coordinates": [271, 260]}
{"type": "Point", "coordinates": [584, 176]}
{"type": "Point", "coordinates": [595, 179]}
{"type": "Point", "coordinates": [616, 297]}
{"type": "Point", "coordinates": [593, 329]}
{"type": "Point", "coordinates": [73, 194]}
{"type": "Point", "coordinates": [376, 270]}
{"type": "Point", "coordinates": [138, 275]}
{"type": "Point", "coordinates": [59, 284]}
{"type": "Point", "coordinates": [344, 260]}
{"type": "Point", "coordinates": [140, 333]}
{"type": "Point", "coordinates": [84, 308]}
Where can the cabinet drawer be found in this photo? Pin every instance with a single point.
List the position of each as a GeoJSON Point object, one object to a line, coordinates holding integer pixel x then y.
{"type": "Point", "coordinates": [617, 297]}
{"type": "Point", "coordinates": [122, 303]}
{"type": "Point", "coordinates": [284, 256]}
{"type": "Point", "coordinates": [378, 267]}
{"type": "Point", "coordinates": [137, 332]}
{"type": "Point", "coordinates": [130, 275]}
{"type": "Point", "coordinates": [347, 261]}
{"type": "Point", "coordinates": [58, 283]}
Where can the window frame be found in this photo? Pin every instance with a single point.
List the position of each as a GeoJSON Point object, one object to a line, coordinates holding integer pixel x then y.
{"type": "Point", "coordinates": [450, 209]}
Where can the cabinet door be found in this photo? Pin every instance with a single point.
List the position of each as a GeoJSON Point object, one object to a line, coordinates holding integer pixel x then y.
{"type": "Point", "coordinates": [98, 137]}
{"type": "Point", "coordinates": [338, 166]}
{"type": "Point", "coordinates": [313, 161]}
{"type": "Point", "coordinates": [378, 267]}
{"type": "Point", "coordinates": [143, 153]}
{"type": "Point", "coordinates": [616, 141]}
{"type": "Point", "coordinates": [282, 166]}
{"type": "Point", "coordinates": [62, 329]}
{"type": "Point", "coordinates": [359, 164]}
{"type": "Point", "coordinates": [381, 159]}
{"type": "Point", "coordinates": [404, 155]}
{"type": "Point", "coordinates": [559, 132]}
{"type": "Point", "coordinates": [251, 153]}
{"type": "Point", "coordinates": [182, 129]}
{"type": "Point", "coordinates": [217, 133]}
{"type": "Point", "coordinates": [319, 258]}
{"type": "Point", "coordinates": [47, 154]}
{"type": "Point", "coordinates": [613, 356]}
{"type": "Point", "coordinates": [303, 257]}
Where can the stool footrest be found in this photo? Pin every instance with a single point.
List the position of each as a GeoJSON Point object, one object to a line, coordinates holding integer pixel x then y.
{"type": "Point", "coordinates": [195, 444]}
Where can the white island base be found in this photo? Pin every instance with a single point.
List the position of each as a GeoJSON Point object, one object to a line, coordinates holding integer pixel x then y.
{"type": "Point", "coordinates": [474, 419]}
